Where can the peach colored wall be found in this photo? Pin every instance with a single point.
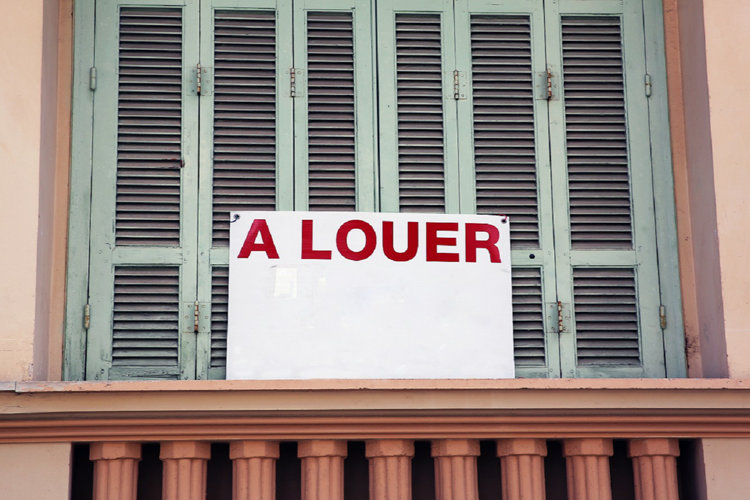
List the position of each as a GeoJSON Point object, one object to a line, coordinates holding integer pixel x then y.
{"type": "Point", "coordinates": [39, 471]}
{"type": "Point", "coordinates": [725, 462]}
{"type": "Point", "coordinates": [702, 203]}
{"type": "Point", "coordinates": [728, 75]}
{"type": "Point", "coordinates": [21, 36]}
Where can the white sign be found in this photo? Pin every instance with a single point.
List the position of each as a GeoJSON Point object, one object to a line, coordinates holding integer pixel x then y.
{"type": "Point", "coordinates": [369, 295]}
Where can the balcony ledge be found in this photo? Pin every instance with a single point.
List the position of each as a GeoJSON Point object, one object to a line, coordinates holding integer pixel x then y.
{"type": "Point", "coordinates": [373, 409]}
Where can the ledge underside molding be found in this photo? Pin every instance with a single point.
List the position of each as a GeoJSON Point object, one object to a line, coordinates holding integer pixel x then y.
{"type": "Point", "coordinates": [385, 409]}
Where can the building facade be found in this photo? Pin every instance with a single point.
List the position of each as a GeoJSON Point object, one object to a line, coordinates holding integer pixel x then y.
{"type": "Point", "coordinates": [608, 130]}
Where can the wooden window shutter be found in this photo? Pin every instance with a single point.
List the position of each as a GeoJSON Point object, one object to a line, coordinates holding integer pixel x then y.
{"type": "Point", "coordinates": [144, 194]}
{"type": "Point", "coordinates": [246, 130]}
{"type": "Point", "coordinates": [607, 274]}
{"type": "Point", "coordinates": [333, 106]}
{"type": "Point", "coordinates": [418, 128]}
{"type": "Point", "coordinates": [504, 158]}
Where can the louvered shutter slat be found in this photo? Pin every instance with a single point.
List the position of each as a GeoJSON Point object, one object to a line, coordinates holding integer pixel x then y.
{"type": "Point", "coordinates": [244, 133]}
{"type": "Point", "coordinates": [330, 111]}
{"type": "Point", "coordinates": [606, 317]}
{"type": "Point", "coordinates": [149, 104]}
{"type": "Point", "coordinates": [528, 318]}
{"type": "Point", "coordinates": [145, 327]}
{"type": "Point", "coordinates": [597, 150]}
{"type": "Point", "coordinates": [219, 315]}
{"type": "Point", "coordinates": [504, 134]}
{"type": "Point", "coordinates": [419, 97]}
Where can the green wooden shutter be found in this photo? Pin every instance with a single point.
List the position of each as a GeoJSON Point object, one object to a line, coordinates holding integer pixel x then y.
{"type": "Point", "coordinates": [504, 158]}
{"type": "Point", "coordinates": [144, 193]}
{"type": "Point", "coordinates": [246, 144]}
{"type": "Point", "coordinates": [333, 105]}
{"type": "Point", "coordinates": [418, 127]}
{"type": "Point", "coordinates": [605, 235]}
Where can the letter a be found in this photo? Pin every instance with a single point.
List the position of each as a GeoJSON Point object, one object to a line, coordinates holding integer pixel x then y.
{"type": "Point", "coordinates": [259, 226]}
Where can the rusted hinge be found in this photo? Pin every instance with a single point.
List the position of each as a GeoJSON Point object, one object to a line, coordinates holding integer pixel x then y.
{"type": "Point", "coordinates": [292, 82]}
{"type": "Point", "coordinates": [198, 83]}
{"type": "Point", "coordinates": [92, 78]}
{"type": "Point", "coordinates": [647, 84]}
{"type": "Point", "coordinates": [560, 323]}
{"type": "Point", "coordinates": [663, 317]}
{"type": "Point", "coordinates": [544, 88]}
{"type": "Point", "coordinates": [86, 316]}
{"type": "Point", "coordinates": [196, 316]}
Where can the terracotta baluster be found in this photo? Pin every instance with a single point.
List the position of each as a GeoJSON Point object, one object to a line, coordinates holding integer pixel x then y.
{"type": "Point", "coordinates": [390, 468]}
{"type": "Point", "coordinates": [115, 470]}
{"type": "Point", "coordinates": [456, 469]}
{"type": "Point", "coordinates": [322, 469]}
{"type": "Point", "coordinates": [522, 462]}
{"type": "Point", "coordinates": [588, 468]}
{"type": "Point", "coordinates": [654, 468]}
{"type": "Point", "coordinates": [254, 469]}
{"type": "Point", "coordinates": [184, 470]}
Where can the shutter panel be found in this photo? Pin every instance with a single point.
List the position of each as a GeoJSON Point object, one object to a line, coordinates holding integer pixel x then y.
{"type": "Point", "coordinates": [142, 267]}
{"type": "Point", "coordinates": [529, 339]}
{"type": "Point", "coordinates": [244, 132]}
{"type": "Point", "coordinates": [607, 274]}
{"type": "Point", "coordinates": [219, 315]}
{"type": "Point", "coordinates": [330, 111]}
{"type": "Point", "coordinates": [596, 140]}
{"type": "Point", "coordinates": [606, 316]}
{"type": "Point", "coordinates": [418, 149]}
{"type": "Point", "coordinates": [146, 322]}
{"type": "Point", "coordinates": [419, 101]}
{"type": "Point", "coordinates": [504, 158]}
{"type": "Point", "coordinates": [149, 127]}
{"type": "Point", "coordinates": [333, 106]}
{"type": "Point", "coordinates": [246, 144]}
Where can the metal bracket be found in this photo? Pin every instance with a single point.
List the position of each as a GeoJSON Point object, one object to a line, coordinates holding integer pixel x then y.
{"type": "Point", "coordinates": [459, 85]}
{"type": "Point", "coordinates": [86, 316]}
{"type": "Point", "coordinates": [92, 78]}
{"type": "Point", "coordinates": [663, 317]}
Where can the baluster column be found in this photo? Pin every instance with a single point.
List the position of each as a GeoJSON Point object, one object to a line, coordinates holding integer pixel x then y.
{"type": "Point", "coordinates": [587, 465]}
{"type": "Point", "coordinates": [390, 468]}
{"type": "Point", "coordinates": [522, 462]}
{"type": "Point", "coordinates": [254, 469]}
{"type": "Point", "coordinates": [456, 469]}
{"type": "Point", "coordinates": [322, 469]}
{"type": "Point", "coordinates": [654, 468]}
{"type": "Point", "coordinates": [185, 464]}
{"type": "Point", "coordinates": [115, 470]}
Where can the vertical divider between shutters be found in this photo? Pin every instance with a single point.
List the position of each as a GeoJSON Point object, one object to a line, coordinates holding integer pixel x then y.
{"type": "Point", "coordinates": [205, 194]}
{"type": "Point", "coordinates": [189, 213]}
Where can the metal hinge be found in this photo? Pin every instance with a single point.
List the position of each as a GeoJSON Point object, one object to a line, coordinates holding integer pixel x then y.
{"type": "Point", "coordinates": [647, 84]}
{"type": "Point", "coordinates": [663, 317]}
{"type": "Point", "coordinates": [459, 92]}
{"type": "Point", "coordinates": [560, 323]}
{"type": "Point", "coordinates": [92, 78]}
{"type": "Point", "coordinates": [86, 316]}
{"type": "Point", "coordinates": [196, 316]}
{"type": "Point", "coordinates": [198, 79]}
{"type": "Point", "coordinates": [544, 86]}
{"type": "Point", "coordinates": [292, 82]}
